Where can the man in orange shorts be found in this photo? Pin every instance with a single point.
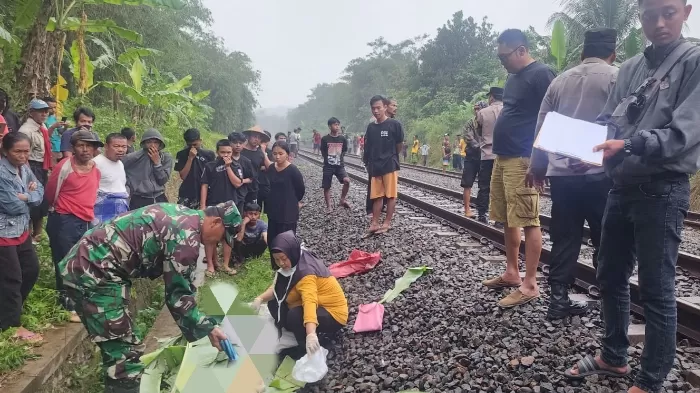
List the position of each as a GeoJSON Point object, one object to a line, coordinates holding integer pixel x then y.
{"type": "Point", "coordinates": [383, 144]}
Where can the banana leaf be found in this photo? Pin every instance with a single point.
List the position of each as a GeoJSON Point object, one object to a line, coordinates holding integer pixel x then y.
{"type": "Point", "coordinates": [401, 284]}
{"type": "Point", "coordinates": [283, 381]}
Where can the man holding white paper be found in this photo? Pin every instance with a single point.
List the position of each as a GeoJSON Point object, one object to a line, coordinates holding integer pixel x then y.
{"type": "Point", "coordinates": [579, 190]}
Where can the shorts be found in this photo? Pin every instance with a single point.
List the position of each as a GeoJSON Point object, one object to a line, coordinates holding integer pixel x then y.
{"type": "Point", "coordinates": [294, 148]}
{"type": "Point", "coordinates": [471, 169]}
{"type": "Point", "coordinates": [512, 203]}
{"type": "Point", "coordinates": [329, 172]}
{"type": "Point", "coordinates": [385, 186]}
{"type": "Point", "coordinates": [317, 146]}
{"type": "Point", "coordinates": [445, 162]}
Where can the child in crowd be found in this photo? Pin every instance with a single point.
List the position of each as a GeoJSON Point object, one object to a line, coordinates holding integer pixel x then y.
{"type": "Point", "coordinates": [424, 153]}
{"type": "Point", "coordinates": [221, 181]}
{"type": "Point", "coordinates": [251, 241]}
{"type": "Point", "coordinates": [333, 148]}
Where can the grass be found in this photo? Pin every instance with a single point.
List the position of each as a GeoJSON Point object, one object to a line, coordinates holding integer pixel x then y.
{"type": "Point", "coordinates": [252, 279]}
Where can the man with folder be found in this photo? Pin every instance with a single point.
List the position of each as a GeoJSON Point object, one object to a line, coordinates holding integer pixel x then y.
{"type": "Point", "coordinates": [578, 190]}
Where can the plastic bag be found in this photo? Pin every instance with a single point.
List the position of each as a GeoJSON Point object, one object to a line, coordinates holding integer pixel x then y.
{"type": "Point", "coordinates": [312, 368]}
{"type": "Point", "coordinates": [369, 318]}
{"type": "Point", "coordinates": [358, 262]}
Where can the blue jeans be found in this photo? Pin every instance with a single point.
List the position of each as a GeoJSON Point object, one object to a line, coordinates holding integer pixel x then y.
{"type": "Point", "coordinates": [646, 221]}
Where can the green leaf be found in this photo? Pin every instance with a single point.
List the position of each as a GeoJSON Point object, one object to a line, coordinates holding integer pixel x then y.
{"type": "Point", "coordinates": [90, 68]}
{"type": "Point", "coordinates": [127, 91]}
{"type": "Point", "coordinates": [179, 85]}
{"type": "Point", "coordinates": [401, 284]}
{"type": "Point", "coordinates": [201, 95]}
{"type": "Point", "coordinates": [558, 44]}
{"type": "Point", "coordinates": [633, 43]}
{"type": "Point", "coordinates": [283, 381]}
{"type": "Point", "coordinates": [132, 54]}
{"type": "Point", "coordinates": [5, 35]}
{"type": "Point", "coordinates": [51, 24]}
{"type": "Point", "coordinates": [136, 73]}
{"type": "Point", "coordinates": [127, 34]}
{"type": "Point", "coordinates": [25, 14]}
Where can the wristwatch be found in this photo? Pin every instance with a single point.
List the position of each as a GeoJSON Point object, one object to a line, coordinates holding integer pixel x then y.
{"type": "Point", "coordinates": [628, 147]}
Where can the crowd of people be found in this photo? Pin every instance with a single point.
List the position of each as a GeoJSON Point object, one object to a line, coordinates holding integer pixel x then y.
{"type": "Point", "coordinates": [109, 220]}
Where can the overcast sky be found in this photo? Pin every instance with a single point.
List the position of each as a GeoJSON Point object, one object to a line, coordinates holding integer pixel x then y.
{"type": "Point", "coordinates": [296, 44]}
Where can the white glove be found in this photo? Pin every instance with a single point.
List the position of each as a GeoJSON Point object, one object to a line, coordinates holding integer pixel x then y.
{"type": "Point", "coordinates": [256, 304]}
{"type": "Point", "coordinates": [312, 344]}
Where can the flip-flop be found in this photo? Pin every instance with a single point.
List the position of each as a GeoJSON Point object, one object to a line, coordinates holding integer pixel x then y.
{"type": "Point", "coordinates": [210, 274]}
{"type": "Point", "coordinates": [498, 283]}
{"type": "Point", "coordinates": [30, 338]}
{"type": "Point", "coordinates": [516, 298]}
{"type": "Point", "coordinates": [74, 317]}
{"type": "Point", "coordinates": [588, 366]}
{"type": "Point", "coordinates": [382, 230]}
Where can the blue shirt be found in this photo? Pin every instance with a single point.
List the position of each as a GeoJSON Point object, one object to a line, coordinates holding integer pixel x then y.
{"type": "Point", "coordinates": [253, 233]}
{"type": "Point", "coordinates": [14, 213]}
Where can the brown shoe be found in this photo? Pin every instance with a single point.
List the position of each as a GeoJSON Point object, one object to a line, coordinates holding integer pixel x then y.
{"type": "Point", "coordinates": [498, 283]}
{"type": "Point", "coordinates": [516, 298]}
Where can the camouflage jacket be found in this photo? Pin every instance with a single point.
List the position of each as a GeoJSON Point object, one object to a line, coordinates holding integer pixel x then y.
{"type": "Point", "coordinates": [162, 239]}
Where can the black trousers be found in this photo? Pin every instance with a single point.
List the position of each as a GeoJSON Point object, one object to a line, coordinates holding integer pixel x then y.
{"type": "Point", "coordinates": [482, 197]}
{"type": "Point", "coordinates": [64, 230]}
{"type": "Point", "coordinates": [19, 270]}
{"type": "Point", "coordinates": [245, 251]}
{"type": "Point", "coordinates": [295, 324]}
{"type": "Point", "coordinates": [36, 213]}
{"type": "Point", "coordinates": [369, 203]}
{"type": "Point", "coordinates": [574, 199]}
{"type": "Point", "coordinates": [274, 229]}
{"type": "Point", "coordinates": [137, 201]}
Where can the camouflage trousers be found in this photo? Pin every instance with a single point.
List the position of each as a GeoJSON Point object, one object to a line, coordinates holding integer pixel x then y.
{"type": "Point", "coordinates": [104, 311]}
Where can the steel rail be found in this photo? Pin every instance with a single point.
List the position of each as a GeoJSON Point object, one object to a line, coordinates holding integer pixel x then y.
{"type": "Point", "coordinates": [688, 313]}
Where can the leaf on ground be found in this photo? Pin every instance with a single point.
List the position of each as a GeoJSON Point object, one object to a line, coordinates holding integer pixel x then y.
{"type": "Point", "coordinates": [401, 284]}
{"type": "Point", "coordinates": [283, 381]}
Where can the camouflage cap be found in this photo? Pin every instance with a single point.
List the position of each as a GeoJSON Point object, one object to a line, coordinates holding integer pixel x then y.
{"type": "Point", "coordinates": [231, 217]}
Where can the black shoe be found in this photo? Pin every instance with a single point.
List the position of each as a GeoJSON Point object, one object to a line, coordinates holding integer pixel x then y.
{"type": "Point", "coordinates": [122, 386]}
{"type": "Point", "coordinates": [560, 306]}
{"type": "Point", "coordinates": [482, 218]}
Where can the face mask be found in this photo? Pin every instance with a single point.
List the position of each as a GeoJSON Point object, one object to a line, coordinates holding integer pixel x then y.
{"type": "Point", "coordinates": [287, 272]}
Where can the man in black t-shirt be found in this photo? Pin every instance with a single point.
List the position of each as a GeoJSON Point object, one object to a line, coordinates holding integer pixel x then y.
{"type": "Point", "coordinates": [512, 201]}
{"type": "Point", "coordinates": [333, 148]}
{"type": "Point", "coordinates": [254, 150]}
{"type": "Point", "coordinates": [189, 163]}
{"type": "Point", "coordinates": [383, 144]}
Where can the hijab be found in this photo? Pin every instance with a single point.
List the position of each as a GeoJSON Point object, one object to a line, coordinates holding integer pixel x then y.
{"type": "Point", "coordinates": [304, 263]}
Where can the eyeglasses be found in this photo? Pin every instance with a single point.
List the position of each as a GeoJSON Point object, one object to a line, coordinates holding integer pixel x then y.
{"type": "Point", "coordinates": [504, 57]}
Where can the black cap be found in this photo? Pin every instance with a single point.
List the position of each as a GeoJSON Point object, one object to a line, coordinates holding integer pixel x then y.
{"type": "Point", "coordinates": [496, 91]}
{"type": "Point", "coordinates": [85, 136]}
{"type": "Point", "coordinates": [599, 41]}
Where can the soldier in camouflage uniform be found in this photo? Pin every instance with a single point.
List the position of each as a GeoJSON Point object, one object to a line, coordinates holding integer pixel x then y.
{"type": "Point", "coordinates": [158, 240]}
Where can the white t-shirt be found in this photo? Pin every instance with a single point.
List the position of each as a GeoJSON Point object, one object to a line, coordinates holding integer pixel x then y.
{"type": "Point", "coordinates": [113, 177]}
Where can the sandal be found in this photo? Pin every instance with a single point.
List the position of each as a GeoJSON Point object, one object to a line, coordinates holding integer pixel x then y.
{"type": "Point", "coordinates": [74, 317]}
{"type": "Point", "coordinates": [210, 274]}
{"type": "Point", "coordinates": [589, 366]}
{"type": "Point", "coordinates": [498, 283]}
{"type": "Point", "coordinates": [516, 298]}
{"type": "Point", "coordinates": [382, 230]}
{"type": "Point", "coordinates": [227, 270]}
{"type": "Point", "coordinates": [29, 337]}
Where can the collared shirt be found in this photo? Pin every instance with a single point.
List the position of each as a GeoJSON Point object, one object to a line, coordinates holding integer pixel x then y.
{"type": "Point", "coordinates": [580, 93]}
{"type": "Point", "coordinates": [36, 140]}
{"type": "Point", "coordinates": [14, 213]}
{"type": "Point", "coordinates": [668, 132]}
{"type": "Point", "coordinates": [486, 119]}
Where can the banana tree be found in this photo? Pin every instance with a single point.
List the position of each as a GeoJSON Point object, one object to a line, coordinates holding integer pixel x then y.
{"type": "Point", "coordinates": [558, 45]}
{"type": "Point", "coordinates": [50, 21]}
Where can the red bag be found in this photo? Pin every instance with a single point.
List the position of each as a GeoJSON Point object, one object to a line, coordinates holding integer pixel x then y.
{"type": "Point", "coordinates": [358, 262]}
{"type": "Point", "coordinates": [369, 318]}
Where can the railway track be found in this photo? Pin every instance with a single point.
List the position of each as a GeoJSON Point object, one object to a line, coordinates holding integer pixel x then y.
{"type": "Point", "coordinates": [688, 307]}
{"type": "Point", "coordinates": [693, 219]}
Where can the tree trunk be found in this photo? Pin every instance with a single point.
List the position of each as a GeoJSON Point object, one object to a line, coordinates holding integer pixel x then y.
{"type": "Point", "coordinates": [33, 75]}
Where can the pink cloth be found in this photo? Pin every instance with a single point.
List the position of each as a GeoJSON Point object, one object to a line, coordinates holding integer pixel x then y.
{"type": "Point", "coordinates": [358, 262]}
{"type": "Point", "coordinates": [369, 318]}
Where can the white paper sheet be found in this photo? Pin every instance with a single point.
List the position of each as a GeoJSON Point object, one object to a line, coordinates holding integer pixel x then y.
{"type": "Point", "coordinates": [571, 137]}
